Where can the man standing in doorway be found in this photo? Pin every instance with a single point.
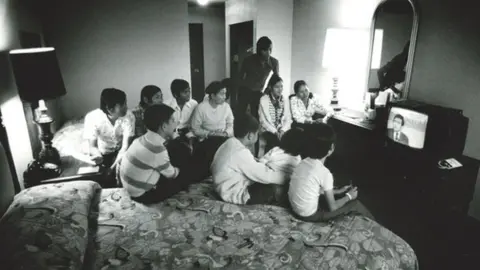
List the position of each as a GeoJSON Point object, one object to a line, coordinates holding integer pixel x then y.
{"type": "Point", "coordinates": [254, 72]}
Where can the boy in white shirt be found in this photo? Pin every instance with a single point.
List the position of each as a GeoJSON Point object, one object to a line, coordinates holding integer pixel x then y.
{"type": "Point", "coordinates": [311, 192]}
{"type": "Point", "coordinates": [238, 177]}
{"type": "Point", "coordinates": [110, 128]}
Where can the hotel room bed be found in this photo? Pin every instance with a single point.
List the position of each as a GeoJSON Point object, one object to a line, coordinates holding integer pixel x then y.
{"type": "Point", "coordinates": [78, 225]}
{"type": "Point", "coordinates": [69, 138]}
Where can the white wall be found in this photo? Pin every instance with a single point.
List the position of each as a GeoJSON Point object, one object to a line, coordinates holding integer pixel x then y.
{"type": "Point", "coordinates": [214, 41]}
{"type": "Point", "coordinates": [446, 66]}
{"type": "Point", "coordinates": [311, 19]}
{"type": "Point", "coordinates": [123, 44]}
{"type": "Point", "coordinates": [275, 20]}
{"type": "Point", "coordinates": [14, 17]}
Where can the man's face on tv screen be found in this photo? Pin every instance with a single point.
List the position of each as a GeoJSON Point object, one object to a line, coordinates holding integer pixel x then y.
{"type": "Point", "coordinates": [397, 124]}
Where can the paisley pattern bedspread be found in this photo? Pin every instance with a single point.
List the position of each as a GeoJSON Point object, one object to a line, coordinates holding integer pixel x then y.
{"type": "Point", "coordinates": [192, 230]}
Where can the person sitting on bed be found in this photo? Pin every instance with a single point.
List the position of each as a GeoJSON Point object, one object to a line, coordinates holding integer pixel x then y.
{"type": "Point", "coordinates": [149, 95]}
{"type": "Point", "coordinates": [311, 192]}
{"type": "Point", "coordinates": [109, 129]}
{"type": "Point", "coordinates": [213, 117]}
{"type": "Point", "coordinates": [237, 176]}
{"type": "Point", "coordinates": [183, 105]}
{"type": "Point", "coordinates": [286, 157]}
{"type": "Point", "coordinates": [146, 171]}
{"type": "Point", "coordinates": [305, 107]}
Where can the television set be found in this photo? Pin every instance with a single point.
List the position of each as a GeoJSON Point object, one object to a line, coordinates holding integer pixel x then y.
{"type": "Point", "coordinates": [407, 127]}
{"type": "Point", "coordinates": [421, 132]}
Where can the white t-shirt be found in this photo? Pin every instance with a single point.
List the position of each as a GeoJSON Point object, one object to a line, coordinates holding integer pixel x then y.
{"type": "Point", "coordinates": [278, 160]}
{"type": "Point", "coordinates": [109, 137]}
{"type": "Point", "coordinates": [309, 180]}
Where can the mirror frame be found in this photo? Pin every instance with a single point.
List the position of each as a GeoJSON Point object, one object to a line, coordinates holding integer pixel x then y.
{"type": "Point", "coordinates": [411, 51]}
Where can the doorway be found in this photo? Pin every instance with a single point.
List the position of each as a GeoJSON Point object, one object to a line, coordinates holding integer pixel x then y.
{"type": "Point", "coordinates": [195, 31]}
{"type": "Point", "coordinates": [241, 46]}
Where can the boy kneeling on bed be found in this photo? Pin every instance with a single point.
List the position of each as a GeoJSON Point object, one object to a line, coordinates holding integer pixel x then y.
{"type": "Point", "coordinates": [145, 171]}
{"type": "Point", "coordinates": [312, 195]}
{"type": "Point", "coordinates": [238, 177]}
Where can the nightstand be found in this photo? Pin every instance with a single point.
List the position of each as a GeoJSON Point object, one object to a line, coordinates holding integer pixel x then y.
{"type": "Point", "coordinates": [36, 174]}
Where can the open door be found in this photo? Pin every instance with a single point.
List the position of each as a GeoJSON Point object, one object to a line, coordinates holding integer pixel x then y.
{"type": "Point", "coordinates": [197, 71]}
{"type": "Point", "coordinates": [241, 46]}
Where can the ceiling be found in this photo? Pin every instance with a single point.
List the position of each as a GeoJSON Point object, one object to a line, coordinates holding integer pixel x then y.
{"type": "Point", "coordinates": [209, 1]}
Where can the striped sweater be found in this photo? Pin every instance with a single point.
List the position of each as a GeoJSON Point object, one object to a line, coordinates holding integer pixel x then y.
{"type": "Point", "coordinates": [144, 162]}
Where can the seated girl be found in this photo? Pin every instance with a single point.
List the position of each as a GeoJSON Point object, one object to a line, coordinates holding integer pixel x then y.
{"type": "Point", "coordinates": [311, 192]}
{"type": "Point", "coordinates": [213, 117]}
{"type": "Point", "coordinates": [149, 95]}
{"type": "Point", "coordinates": [306, 107]}
{"type": "Point", "coordinates": [286, 157]}
{"type": "Point", "coordinates": [273, 113]}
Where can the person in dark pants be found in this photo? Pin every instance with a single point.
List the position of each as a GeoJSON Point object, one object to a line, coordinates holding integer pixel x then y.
{"type": "Point", "coordinates": [311, 193]}
{"type": "Point", "coordinates": [109, 131]}
{"type": "Point", "coordinates": [254, 72]}
{"type": "Point", "coordinates": [146, 171]}
{"type": "Point", "coordinates": [392, 75]}
{"type": "Point", "coordinates": [203, 155]}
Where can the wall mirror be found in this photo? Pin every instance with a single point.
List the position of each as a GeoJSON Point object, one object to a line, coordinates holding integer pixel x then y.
{"type": "Point", "coordinates": [393, 36]}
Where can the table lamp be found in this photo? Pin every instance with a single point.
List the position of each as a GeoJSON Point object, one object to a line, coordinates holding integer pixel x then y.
{"type": "Point", "coordinates": [38, 78]}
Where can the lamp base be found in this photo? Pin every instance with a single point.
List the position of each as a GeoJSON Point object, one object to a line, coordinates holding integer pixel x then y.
{"type": "Point", "coordinates": [48, 154]}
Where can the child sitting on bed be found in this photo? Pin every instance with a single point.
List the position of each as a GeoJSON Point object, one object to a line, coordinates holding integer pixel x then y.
{"type": "Point", "coordinates": [237, 176]}
{"type": "Point", "coordinates": [286, 157]}
{"type": "Point", "coordinates": [146, 172]}
{"type": "Point", "coordinates": [311, 192]}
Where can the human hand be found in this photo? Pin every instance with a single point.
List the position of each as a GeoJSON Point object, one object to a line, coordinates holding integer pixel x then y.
{"type": "Point", "coordinates": [400, 85]}
{"type": "Point", "coordinates": [345, 188]}
{"type": "Point", "coordinates": [98, 159]}
{"type": "Point", "coordinates": [117, 160]}
{"type": "Point", "coordinates": [327, 117]}
{"type": "Point", "coordinates": [353, 193]}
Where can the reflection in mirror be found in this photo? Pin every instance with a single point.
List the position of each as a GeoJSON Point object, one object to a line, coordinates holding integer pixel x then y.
{"type": "Point", "coordinates": [394, 26]}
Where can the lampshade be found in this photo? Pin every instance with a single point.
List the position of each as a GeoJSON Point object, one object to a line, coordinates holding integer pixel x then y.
{"type": "Point", "coordinates": [37, 74]}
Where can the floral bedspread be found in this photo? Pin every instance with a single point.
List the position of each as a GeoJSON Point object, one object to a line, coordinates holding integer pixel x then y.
{"type": "Point", "coordinates": [77, 225]}
{"type": "Point", "coordinates": [194, 230]}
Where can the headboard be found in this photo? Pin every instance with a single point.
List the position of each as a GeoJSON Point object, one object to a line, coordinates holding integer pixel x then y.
{"type": "Point", "coordinates": [7, 188]}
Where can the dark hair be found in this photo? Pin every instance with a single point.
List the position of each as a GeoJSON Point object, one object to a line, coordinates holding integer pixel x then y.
{"type": "Point", "coordinates": [320, 139]}
{"type": "Point", "coordinates": [148, 92]}
{"type": "Point", "coordinates": [178, 86]}
{"type": "Point", "coordinates": [157, 115]}
{"type": "Point", "coordinates": [399, 116]}
{"type": "Point", "coordinates": [263, 44]}
{"type": "Point", "coordinates": [273, 80]}
{"type": "Point", "coordinates": [298, 84]}
{"type": "Point", "coordinates": [111, 97]}
{"type": "Point", "coordinates": [214, 87]}
{"type": "Point", "coordinates": [293, 141]}
{"type": "Point", "coordinates": [244, 124]}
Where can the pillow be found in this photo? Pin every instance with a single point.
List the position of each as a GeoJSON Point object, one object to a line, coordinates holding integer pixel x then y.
{"type": "Point", "coordinates": [46, 227]}
{"type": "Point", "coordinates": [69, 139]}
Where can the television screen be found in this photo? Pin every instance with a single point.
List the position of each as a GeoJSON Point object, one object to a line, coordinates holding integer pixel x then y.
{"type": "Point", "coordinates": [407, 127]}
